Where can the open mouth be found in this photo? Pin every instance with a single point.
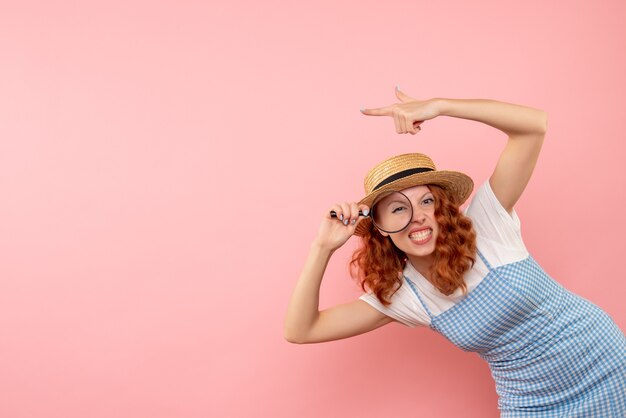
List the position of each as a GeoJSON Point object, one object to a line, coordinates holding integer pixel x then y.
{"type": "Point", "coordinates": [421, 236]}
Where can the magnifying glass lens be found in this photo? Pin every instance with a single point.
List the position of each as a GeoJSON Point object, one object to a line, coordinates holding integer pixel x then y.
{"type": "Point", "coordinates": [392, 211]}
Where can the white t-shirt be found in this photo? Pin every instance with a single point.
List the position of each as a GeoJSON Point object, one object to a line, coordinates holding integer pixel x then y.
{"type": "Point", "coordinates": [498, 237]}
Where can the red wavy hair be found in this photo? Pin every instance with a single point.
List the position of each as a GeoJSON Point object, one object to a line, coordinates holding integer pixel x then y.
{"type": "Point", "coordinates": [378, 263]}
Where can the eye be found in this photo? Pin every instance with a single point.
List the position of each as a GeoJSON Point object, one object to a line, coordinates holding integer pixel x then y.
{"type": "Point", "coordinates": [398, 209]}
{"type": "Point", "coordinates": [427, 199]}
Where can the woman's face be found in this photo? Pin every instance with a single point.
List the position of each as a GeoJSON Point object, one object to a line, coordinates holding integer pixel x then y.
{"type": "Point", "coordinates": [420, 236]}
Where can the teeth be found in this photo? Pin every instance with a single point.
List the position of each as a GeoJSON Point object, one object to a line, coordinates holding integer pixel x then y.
{"type": "Point", "coordinates": [420, 236]}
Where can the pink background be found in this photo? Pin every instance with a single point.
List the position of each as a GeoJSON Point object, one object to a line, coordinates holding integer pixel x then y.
{"type": "Point", "coordinates": [165, 165]}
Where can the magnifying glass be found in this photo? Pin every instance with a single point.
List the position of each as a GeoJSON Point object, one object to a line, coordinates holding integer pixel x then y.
{"type": "Point", "coordinates": [391, 211]}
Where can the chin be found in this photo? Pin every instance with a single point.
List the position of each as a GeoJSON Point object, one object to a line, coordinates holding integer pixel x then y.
{"type": "Point", "coordinates": [420, 252]}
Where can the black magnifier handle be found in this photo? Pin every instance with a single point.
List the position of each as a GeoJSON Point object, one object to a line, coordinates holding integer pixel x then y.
{"type": "Point", "coordinates": [333, 214]}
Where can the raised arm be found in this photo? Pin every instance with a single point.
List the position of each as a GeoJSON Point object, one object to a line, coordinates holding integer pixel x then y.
{"type": "Point", "coordinates": [304, 323]}
{"type": "Point", "coordinates": [525, 127]}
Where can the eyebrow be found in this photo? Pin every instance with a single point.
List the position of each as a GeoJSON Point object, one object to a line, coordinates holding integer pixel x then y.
{"type": "Point", "coordinates": [424, 195]}
{"type": "Point", "coordinates": [402, 201]}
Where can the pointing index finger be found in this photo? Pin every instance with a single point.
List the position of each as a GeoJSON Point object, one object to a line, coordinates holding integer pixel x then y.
{"type": "Point", "coordinates": [381, 111]}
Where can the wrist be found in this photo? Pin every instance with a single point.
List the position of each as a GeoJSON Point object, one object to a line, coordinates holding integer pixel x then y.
{"type": "Point", "coordinates": [441, 105]}
{"type": "Point", "coordinates": [321, 248]}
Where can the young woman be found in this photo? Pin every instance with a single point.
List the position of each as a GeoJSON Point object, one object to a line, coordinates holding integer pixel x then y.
{"type": "Point", "coordinates": [466, 275]}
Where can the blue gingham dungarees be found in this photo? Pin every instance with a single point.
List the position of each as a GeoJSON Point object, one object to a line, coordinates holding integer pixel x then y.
{"type": "Point", "coordinates": [551, 352]}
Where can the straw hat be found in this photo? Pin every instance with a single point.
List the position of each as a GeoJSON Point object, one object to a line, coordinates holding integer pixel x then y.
{"type": "Point", "coordinates": [408, 170]}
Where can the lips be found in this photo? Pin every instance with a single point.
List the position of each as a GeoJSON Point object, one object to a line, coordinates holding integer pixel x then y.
{"type": "Point", "coordinates": [423, 236]}
{"type": "Point", "coordinates": [418, 229]}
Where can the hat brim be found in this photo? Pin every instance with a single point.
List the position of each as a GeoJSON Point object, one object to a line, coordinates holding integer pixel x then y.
{"type": "Point", "coordinates": [458, 186]}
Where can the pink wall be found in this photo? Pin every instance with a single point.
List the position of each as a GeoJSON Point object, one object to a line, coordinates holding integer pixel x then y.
{"type": "Point", "coordinates": [164, 167]}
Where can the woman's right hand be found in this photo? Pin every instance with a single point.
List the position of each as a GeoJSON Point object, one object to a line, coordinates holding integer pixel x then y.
{"type": "Point", "coordinates": [333, 232]}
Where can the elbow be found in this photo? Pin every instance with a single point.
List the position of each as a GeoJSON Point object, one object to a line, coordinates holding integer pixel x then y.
{"type": "Point", "coordinates": [293, 338]}
{"type": "Point", "coordinates": [544, 121]}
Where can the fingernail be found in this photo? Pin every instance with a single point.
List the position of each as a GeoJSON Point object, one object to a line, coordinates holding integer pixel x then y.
{"type": "Point", "coordinates": [345, 222]}
{"type": "Point", "coordinates": [362, 109]}
{"type": "Point", "coordinates": [398, 86]}
{"type": "Point", "coordinates": [353, 221]}
{"type": "Point", "coordinates": [365, 212]}
{"type": "Point", "coordinates": [341, 217]}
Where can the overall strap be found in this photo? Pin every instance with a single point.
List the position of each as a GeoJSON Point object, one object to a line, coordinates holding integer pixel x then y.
{"type": "Point", "coordinates": [482, 257]}
{"type": "Point", "coordinates": [412, 286]}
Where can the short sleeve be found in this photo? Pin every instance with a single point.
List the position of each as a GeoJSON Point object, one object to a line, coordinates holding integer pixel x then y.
{"type": "Point", "coordinates": [397, 310]}
{"type": "Point", "coordinates": [491, 220]}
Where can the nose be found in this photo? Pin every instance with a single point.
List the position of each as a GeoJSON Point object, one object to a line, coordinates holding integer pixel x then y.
{"type": "Point", "coordinates": [418, 214]}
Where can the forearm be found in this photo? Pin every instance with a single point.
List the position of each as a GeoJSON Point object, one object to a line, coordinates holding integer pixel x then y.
{"type": "Point", "coordinates": [303, 307]}
{"type": "Point", "coordinates": [509, 118]}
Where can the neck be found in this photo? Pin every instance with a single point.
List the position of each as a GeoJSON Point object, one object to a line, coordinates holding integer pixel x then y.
{"type": "Point", "coordinates": [422, 264]}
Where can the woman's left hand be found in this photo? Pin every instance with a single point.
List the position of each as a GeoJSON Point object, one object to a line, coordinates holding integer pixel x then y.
{"type": "Point", "coordinates": [408, 115]}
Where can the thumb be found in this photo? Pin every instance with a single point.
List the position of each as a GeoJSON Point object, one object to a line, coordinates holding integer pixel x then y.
{"type": "Point", "coordinates": [359, 220]}
{"type": "Point", "coordinates": [402, 96]}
